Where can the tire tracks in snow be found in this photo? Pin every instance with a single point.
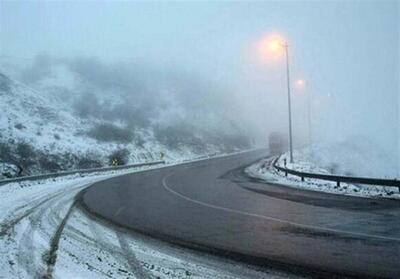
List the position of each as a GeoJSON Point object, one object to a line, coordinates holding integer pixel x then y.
{"type": "Point", "coordinates": [29, 254]}
{"type": "Point", "coordinates": [10, 223]}
{"type": "Point", "coordinates": [51, 257]}
{"type": "Point", "coordinates": [44, 222]}
{"type": "Point", "coordinates": [125, 252]}
{"type": "Point", "coordinates": [133, 262]}
{"type": "Point", "coordinates": [38, 220]}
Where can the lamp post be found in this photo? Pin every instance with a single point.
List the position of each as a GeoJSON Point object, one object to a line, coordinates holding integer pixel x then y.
{"type": "Point", "coordinates": [309, 119]}
{"type": "Point", "coordinates": [286, 46]}
{"type": "Point", "coordinates": [273, 47]}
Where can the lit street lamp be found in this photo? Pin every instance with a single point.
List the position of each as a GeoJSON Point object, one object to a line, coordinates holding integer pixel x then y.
{"type": "Point", "coordinates": [286, 46]}
{"type": "Point", "coordinates": [273, 46]}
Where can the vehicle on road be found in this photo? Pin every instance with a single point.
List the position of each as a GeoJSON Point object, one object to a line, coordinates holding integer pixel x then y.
{"type": "Point", "coordinates": [277, 143]}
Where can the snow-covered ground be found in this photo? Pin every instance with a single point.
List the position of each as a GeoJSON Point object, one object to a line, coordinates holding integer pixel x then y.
{"type": "Point", "coordinates": [44, 235]}
{"type": "Point", "coordinates": [36, 125]}
{"type": "Point", "coordinates": [41, 132]}
{"type": "Point", "coordinates": [264, 170]}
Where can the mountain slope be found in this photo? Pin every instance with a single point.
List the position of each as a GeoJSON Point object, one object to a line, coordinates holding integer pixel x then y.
{"type": "Point", "coordinates": [38, 134]}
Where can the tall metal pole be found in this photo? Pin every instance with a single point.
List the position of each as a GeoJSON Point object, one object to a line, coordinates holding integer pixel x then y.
{"type": "Point", "coordinates": [289, 103]}
{"type": "Point", "coordinates": [309, 118]}
{"type": "Point", "coordinates": [309, 124]}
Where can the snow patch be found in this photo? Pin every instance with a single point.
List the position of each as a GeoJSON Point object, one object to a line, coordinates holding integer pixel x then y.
{"type": "Point", "coordinates": [265, 170]}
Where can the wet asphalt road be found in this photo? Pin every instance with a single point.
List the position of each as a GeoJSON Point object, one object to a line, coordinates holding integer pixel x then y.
{"type": "Point", "coordinates": [212, 205]}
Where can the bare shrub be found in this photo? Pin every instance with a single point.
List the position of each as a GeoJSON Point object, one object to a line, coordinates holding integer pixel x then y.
{"type": "Point", "coordinates": [87, 162]}
{"type": "Point", "coordinates": [25, 154]}
{"type": "Point", "coordinates": [121, 156]}
{"type": "Point", "coordinates": [49, 163]}
{"type": "Point", "coordinates": [5, 83]}
{"type": "Point", "coordinates": [107, 132]}
{"type": "Point", "coordinates": [19, 126]}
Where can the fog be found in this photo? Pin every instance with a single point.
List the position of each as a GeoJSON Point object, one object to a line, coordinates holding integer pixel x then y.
{"type": "Point", "coordinates": [196, 63]}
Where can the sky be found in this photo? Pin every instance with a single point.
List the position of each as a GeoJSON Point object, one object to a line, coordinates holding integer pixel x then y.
{"type": "Point", "coordinates": [346, 51]}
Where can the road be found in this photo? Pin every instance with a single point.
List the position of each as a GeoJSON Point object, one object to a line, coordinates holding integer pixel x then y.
{"type": "Point", "coordinates": [211, 205]}
{"type": "Point", "coordinates": [44, 233]}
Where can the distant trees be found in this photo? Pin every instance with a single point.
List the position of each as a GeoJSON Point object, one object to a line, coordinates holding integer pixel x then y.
{"type": "Point", "coordinates": [107, 132]}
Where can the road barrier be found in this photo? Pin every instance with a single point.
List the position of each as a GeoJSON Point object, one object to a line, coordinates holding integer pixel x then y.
{"type": "Point", "coordinates": [58, 174]}
{"type": "Point", "coordinates": [339, 179]}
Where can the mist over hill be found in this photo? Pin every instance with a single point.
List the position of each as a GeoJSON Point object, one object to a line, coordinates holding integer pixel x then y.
{"type": "Point", "coordinates": [83, 113]}
{"type": "Point", "coordinates": [190, 75]}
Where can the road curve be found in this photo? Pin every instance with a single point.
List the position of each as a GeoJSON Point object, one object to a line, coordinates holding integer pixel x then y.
{"type": "Point", "coordinates": [212, 205]}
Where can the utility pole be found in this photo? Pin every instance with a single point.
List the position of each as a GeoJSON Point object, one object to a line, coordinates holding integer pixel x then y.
{"type": "Point", "coordinates": [289, 102]}
{"type": "Point", "coordinates": [309, 118]}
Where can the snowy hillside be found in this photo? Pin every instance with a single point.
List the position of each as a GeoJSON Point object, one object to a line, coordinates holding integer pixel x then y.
{"type": "Point", "coordinates": [40, 133]}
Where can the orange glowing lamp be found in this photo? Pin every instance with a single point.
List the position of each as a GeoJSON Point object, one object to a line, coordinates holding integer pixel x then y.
{"type": "Point", "coordinates": [271, 47]}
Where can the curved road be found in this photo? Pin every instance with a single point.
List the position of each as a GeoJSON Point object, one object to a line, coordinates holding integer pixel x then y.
{"type": "Point", "coordinates": [213, 206]}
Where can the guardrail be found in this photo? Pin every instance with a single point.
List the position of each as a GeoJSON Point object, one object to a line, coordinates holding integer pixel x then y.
{"type": "Point", "coordinates": [58, 174]}
{"type": "Point", "coordinates": [338, 179]}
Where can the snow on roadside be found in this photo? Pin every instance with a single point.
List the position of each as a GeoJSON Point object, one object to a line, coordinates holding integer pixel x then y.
{"type": "Point", "coordinates": [95, 250]}
{"type": "Point", "coordinates": [31, 213]}
{"type": "Point", "coordinates": [264, 170]}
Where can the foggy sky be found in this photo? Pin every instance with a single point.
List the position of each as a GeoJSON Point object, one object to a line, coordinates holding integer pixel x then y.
{"type": "Point", "coordinates": [347, 51]}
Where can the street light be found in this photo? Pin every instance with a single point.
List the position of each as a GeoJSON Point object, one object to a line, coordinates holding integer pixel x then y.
{"type": "Point", "coordinates": [274, 45]}
{"type": "Point", "coordinates": [289, 103]}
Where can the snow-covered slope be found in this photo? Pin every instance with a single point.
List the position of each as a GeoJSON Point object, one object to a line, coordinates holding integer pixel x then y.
{"type": "Point", "coordinates": [42, 134]}
{"type": "Point", "coordinates": [29, 117]}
